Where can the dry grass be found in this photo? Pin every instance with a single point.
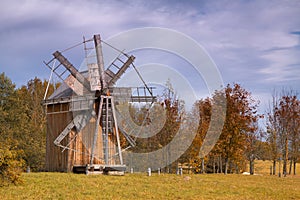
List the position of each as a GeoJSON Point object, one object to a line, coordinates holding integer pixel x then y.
{"type": "Point", "coordinates": [263, 167]}
{"type": "Point", "coordinates": [164, 186]}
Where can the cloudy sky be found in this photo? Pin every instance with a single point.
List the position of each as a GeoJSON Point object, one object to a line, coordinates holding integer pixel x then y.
{"type": "Point", "coordinates": [254, 43]}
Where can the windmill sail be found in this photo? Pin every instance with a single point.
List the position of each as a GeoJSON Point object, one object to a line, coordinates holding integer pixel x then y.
{"type": "Point", "coordinates": [76, 81]}
{"type": "Point", "coordinates": [113, 77]}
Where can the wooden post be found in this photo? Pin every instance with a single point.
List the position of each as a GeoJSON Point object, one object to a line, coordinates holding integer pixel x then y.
{"type": "Point", "coordinates": [149, 171]}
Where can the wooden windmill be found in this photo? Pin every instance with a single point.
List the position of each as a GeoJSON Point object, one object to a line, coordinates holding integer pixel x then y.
{"type": "Point", "coordinates": [82, 127]}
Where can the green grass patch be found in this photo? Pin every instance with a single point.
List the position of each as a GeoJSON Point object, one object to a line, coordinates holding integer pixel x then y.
{"type": "Point", "coordinates": [140, 186]}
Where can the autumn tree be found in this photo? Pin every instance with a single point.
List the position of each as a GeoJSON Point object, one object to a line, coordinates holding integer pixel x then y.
{"type": "Point", "coordinates": [272, 125]}
{"type": "Point", "coordinates": [288, 117]}
{"type": "Point", "coordinates": [294, 133]}
{"type": "Point", "coordinates": [33, 137]}
{"type": "Point", "coordinates": [23, 120]}
{"type": "Point", "coordinates": [255, 148]}
{"type": "Point", "coordinates": [217, 120]}
{"type": "Point", "coordinates": [241, 115]}
{"type": "Point", "coordinates": [283, 126]}
{"type": "Point", "coordinates": [191, 155]}
{"type": "Point", "coordinates": [11, 162]}
{"type": "Point", "coordinates": [168, 106]}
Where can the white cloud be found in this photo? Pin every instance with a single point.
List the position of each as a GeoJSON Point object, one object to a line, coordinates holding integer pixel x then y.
{"type": "Point", "coordinates": [284, 65]}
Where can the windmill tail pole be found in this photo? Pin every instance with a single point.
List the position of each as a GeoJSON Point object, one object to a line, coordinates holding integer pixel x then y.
{"type": "Point", "coordinates": [100, 62]}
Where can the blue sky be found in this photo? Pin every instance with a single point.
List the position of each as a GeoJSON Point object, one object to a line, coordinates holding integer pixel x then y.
{"type": "Point", "coordinates": [254, 43]}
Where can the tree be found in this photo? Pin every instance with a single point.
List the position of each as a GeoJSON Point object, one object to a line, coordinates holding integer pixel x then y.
{"type": "Point", "coordinates": [254, 146]}
{"type": "Point", "coordinates": [7, 108]}
{"type": "Point", "coordinates": [288, 117]}
{"type": "Point", "coordinates": [166, 114]}
{"type": "Point", "coordinates": [273, 131]}
{"type": "Point", "coordinates": [33, 137]}
{"type": "Point", "coordinates": [191, 155]}
{"type": "Point", "coordinates": [283, 130]}
{"type": "Point", "coordinates": [295, 133]}
{"type": "Point", "coordinates": [10, 157]}
{"type": "Point", "coordinates": [241, 115]}
{"type": "Point", "coordinates": [23, 120]}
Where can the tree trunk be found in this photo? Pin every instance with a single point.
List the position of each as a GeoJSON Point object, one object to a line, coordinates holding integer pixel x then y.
{"type": "Point", "coordinates": [226, 165]}
{"type": "Point", "coordinates": [218, 165]}
{"type": "Point", "coordinates": [279, 171]}
{"type": "Point", "coordinates": [214, 165]}
{"type": "Point", "coordinates": [295, 163]}
{"type": "Point", "coordinates": [202, 165]}
{"type": "Point", "coordinates": [237, 169]}
{"type": "Point", "coordinates": [274, 167]}
{"type": "Point", "coordinates": [290, 169]}
{"type": "Point", "coordinates": [251, 166]}
{"type": "Point", "coordinates": [284, 168]}
{"type": "Point", "coordinates": [285, 157]}
{"type": "Point", "coordinates": [271, 172]}
{"type": "Point", "coordinates": [221, 165]}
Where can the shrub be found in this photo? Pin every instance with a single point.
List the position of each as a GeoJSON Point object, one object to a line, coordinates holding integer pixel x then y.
{"type": "Point", "coordinates": [11, 166]}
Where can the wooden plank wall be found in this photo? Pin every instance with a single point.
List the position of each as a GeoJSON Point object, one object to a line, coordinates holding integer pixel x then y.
{"type": "Point", "coordinates": [58, 161]}
{"type": "Point", "coordinates": [55, 159]}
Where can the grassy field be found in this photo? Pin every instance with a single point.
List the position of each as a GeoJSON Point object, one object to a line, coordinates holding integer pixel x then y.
{"type": "Point", "coordinates": [164, 186]}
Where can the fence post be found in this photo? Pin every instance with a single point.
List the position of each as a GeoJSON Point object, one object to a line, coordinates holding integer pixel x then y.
{"type": "Point", "coordinates": [149, 171]}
